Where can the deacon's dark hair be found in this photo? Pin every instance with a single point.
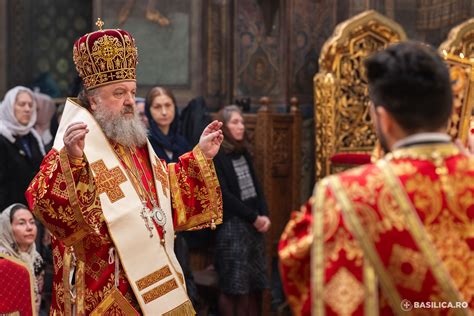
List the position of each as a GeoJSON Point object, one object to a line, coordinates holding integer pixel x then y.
{"type": "Point", "coordinates": [411, 81]}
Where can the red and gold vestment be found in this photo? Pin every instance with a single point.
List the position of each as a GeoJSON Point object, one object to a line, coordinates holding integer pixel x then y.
{"type": "Point", "coordinates": [78, 202]}
{"type": "Point", "coordinates": [378, 239]}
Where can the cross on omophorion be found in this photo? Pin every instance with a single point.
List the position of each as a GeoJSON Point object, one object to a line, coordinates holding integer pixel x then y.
{"type": "Point", "coordinates": [108, 181]}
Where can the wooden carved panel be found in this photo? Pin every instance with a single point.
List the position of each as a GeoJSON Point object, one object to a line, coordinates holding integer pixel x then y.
{"type": "Point", "coordinates": [250, 126]}
{"type": "Point", "coordinates": [281, 159]}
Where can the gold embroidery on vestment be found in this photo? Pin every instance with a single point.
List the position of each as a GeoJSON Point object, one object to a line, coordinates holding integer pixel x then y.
{"type": "Point", "coordinates": [161, 177]}
{"type": "Point", "coordinates": [344, 293]}
{"type": "Point", "coordinates": [408, 267]}
{"type": "Point", "coordinates": [60, 187]}
{"type": "Point", "coordinates": [153, 277]}
{"type": "Point", "coordinates": [159, 291]}
{"type": "Point", "coordinates": [108, 181]}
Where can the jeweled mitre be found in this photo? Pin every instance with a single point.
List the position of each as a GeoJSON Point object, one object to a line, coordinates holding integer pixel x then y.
{"type": "Point", "coordinates": [105, 56]}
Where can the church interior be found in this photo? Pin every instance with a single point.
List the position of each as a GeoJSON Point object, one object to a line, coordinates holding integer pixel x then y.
{"type": "Point", "coordinates": [295, 67]}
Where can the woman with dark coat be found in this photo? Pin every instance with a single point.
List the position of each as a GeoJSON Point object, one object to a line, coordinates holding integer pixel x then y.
{"type": "Point", "coordinates": [21, 147]}
{"type": "Point", "coordinates": [240, 247]}
{"type": "Point", "coordinates": [162, 114]}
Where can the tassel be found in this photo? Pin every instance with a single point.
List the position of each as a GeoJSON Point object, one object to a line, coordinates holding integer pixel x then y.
{"type": "Point", "coordinates": [185, 309]}
{"type": "Point", "coordinates": [213, 224]}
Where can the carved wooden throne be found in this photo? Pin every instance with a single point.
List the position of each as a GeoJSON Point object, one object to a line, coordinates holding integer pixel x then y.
{"type": "Point", "coordinates": [458, 52]}
{"type": "Point", "coordinates": [344, 132]}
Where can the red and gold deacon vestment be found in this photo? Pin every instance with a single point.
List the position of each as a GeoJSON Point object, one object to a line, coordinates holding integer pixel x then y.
{"type": "Point", "coordinates": [90, 260]}
{"type": "Point", "coordinates": [384, 237]}
{"type": "Point", "coordinates": [17, 295]}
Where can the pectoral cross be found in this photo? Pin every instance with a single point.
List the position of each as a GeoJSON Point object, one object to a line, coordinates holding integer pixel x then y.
{"type": "Point", "coordinates": [147, 218]}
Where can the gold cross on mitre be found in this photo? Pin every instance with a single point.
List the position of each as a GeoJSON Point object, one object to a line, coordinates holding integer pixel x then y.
{"type": "Point", "coordinates": [99, 24]}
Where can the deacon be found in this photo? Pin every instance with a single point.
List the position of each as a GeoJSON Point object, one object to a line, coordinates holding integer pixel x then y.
{"type": "Point", "coordinates": [381, 238]}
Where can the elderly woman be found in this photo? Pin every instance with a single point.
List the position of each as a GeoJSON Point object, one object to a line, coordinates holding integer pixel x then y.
{"type": "Point", "coordinates": [240, 248]}
{"type": "Point", "coordinates": [45, 114]}
{"type": "Point", "coordinates": [17, 239]}
{"type": "Point", "coordinates": [21, 147]}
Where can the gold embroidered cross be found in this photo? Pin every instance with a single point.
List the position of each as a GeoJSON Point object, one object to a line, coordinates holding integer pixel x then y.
{"type": "Point", "coordinates": [99, 24]}
{"type": "Point", "coordinates": [161, 177]}
{"type": "Point", "coordinates": [108, 181]}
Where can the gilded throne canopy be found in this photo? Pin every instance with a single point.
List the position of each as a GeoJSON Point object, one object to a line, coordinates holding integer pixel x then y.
{"type": "Point", "coordinates": [458, 52]}
{"type": "Point", "coordinates": [344, 132]}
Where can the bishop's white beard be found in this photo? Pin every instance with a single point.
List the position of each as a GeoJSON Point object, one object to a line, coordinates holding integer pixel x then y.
{"type": "Point", "coordinates": [125, 131]}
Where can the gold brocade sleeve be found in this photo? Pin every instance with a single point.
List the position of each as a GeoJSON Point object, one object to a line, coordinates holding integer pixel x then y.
{"type": "Point", "coordinates": [195, 191]}
{"type": "Point", "coordinates": [341, 271]}
{"type": "Point", "coordinates": [321, 264]}
{"type": "Point", "coordinates": [294, 251]}
{"type": "Point", "coordinates": [63, 197]}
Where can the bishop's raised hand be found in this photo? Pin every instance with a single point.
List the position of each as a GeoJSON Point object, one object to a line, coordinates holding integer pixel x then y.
{"type": "Point", "coordinates": [211, 139]}
{"type": "Point", "coordinates": [74, 139]}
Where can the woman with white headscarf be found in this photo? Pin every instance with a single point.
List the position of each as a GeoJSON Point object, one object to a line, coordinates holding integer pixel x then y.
{"type": "Point", "coordinates": [17, 239]}
{"type": "Point", "coordinates": [45, 112]}
{"type": "Point", "coordinates": [21, 147]}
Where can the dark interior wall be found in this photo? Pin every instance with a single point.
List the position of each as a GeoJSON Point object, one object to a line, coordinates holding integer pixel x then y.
{"type": "Point", "coordinates": [3, 47]}
{"type": "Point", "coordinates": [259, 49]}
{"type": "Point", "coordinates": [312, 22]}
{"type": "Point", "coordinates": [41, 34]}
{"type": "Point", "coordinates": [250, 48]}
{"type": "Point", "coordinates": [431, 20]}
{"type": "Point", "coordinates": [276, 43]}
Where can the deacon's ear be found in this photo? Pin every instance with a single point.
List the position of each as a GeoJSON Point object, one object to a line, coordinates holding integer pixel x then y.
{"type": "Point", "coordinates": [385, 120]}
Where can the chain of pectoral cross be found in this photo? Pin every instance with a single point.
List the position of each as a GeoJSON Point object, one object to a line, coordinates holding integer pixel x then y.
{"type": "Point", "coordinates": [149, 216]}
